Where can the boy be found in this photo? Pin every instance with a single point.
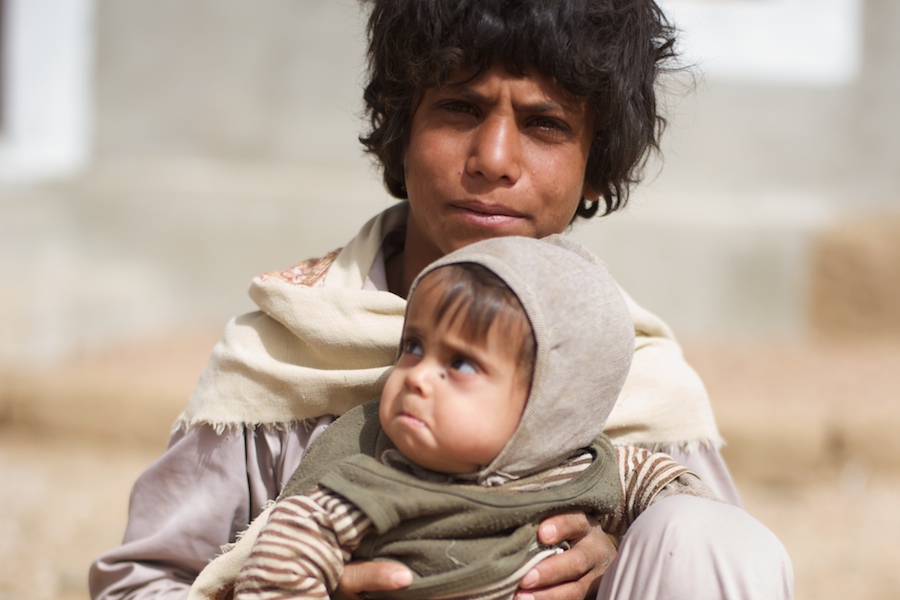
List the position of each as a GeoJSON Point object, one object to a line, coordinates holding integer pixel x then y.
{"type": "Point", "coordinates": [489, 118]}
{"type": "Point", "coordinates": [491, 419]}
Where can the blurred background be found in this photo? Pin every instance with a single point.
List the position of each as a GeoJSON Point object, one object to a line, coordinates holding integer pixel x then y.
{"type": "Point", "coordinates": [155, 155]}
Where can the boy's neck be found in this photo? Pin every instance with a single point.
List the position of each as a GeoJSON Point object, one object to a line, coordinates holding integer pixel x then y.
{"type": "Point", "coordinates": [393, 268]}
{"type": "Point", "coordinates": [403, 267]}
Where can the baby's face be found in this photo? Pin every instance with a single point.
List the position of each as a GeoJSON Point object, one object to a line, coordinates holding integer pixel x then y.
{"type": "Point", "coordinates": [450, 405]}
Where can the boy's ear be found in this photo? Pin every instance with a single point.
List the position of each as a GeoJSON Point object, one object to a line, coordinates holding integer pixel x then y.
{"type": "Point", "coordinates": [589, 193]}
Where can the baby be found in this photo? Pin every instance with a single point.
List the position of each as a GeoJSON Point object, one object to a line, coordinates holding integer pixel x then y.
{"type": "Point", "coordinates": [512, 356]}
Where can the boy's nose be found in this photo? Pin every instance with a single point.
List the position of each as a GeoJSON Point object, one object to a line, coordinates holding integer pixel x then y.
{"type": "Point", "coordinates": [495, 153]}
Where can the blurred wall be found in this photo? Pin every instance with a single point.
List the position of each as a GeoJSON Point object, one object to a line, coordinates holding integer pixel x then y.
{"type": "Point", "coordinates": [723, 236]}
{"type": "Point", "coordinates": [273, 80]}
{"type": "Point", "coordinates": [223, 144]}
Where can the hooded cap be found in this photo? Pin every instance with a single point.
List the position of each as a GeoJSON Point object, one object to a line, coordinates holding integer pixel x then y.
{"type": "Point", "coordinates": [584, 337]}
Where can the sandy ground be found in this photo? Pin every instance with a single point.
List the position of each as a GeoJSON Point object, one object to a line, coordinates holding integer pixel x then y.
{"type": "Point", "coordinates": [811, 431]}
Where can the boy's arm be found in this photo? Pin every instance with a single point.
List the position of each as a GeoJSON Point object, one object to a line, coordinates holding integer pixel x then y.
{"type": "Point", "coordinates": [303, 547]}
{"type": "Point", "coordinates": [647, 477]}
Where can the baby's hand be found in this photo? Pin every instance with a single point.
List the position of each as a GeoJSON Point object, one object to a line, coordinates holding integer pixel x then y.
{"type": "Point", "coordinates": [573, 574]}
{"type": "Point", "coordinates": [371, 577]}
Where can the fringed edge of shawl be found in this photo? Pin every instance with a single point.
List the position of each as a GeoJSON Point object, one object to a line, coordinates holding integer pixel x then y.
{"type": "Point", "coordinates": [225, 548]}
{"type": "Point", "coordinates": [686, 446]}
{"type": "Point", "coordinates": [184, 425]}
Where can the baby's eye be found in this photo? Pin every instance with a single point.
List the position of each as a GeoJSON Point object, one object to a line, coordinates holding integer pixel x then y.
{"type": "Point", "coordinates": [412, 347]}
{"type": "Point", "coordinates": [464, 366]}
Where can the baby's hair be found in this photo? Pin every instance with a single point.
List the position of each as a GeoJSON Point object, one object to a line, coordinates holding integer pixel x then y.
{"type": "Point", "coordinates": [477, 300]}
{"type": "Point", "coordinates": [606, 51]}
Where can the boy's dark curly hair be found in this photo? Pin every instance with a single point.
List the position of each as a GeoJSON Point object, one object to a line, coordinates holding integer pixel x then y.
{"type": "Point", "coordinates": [607, 51]}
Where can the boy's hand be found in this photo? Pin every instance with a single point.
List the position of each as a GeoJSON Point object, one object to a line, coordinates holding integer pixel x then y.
{"type": "Point", "coordinates": [371, 577]}
{"type": "Point", "coordinates": [573, 574]}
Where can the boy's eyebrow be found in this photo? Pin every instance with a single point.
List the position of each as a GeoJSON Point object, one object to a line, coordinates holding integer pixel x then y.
{"type": "Point", "coordinates": [538, 107]}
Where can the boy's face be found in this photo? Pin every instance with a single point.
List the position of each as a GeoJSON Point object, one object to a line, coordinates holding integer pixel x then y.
{"type": "Point", "coordinates": [450, 405]}
{"type": "Point", "coordinates": [498, 155]}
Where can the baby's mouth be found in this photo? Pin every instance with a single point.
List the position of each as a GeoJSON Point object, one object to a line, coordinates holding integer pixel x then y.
{"type": "Point", "coordinates": [412, 419]}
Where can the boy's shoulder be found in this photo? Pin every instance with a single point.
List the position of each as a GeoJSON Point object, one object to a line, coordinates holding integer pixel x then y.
{"type": "Point", "coordinates": [308, 273]}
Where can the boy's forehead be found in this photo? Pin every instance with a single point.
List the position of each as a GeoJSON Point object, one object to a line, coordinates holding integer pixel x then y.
{"type": "Point", "coordinates": [467, 78]}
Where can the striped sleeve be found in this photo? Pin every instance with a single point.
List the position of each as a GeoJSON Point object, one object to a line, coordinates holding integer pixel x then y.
{"type": "Point", "coordinates": [302, 548]}
{"type": "Point", "coordinates": [643, 475]}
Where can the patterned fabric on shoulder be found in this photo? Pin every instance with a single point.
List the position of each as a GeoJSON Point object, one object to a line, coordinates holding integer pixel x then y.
{"type": "Point", "coordinates": [308, 273]}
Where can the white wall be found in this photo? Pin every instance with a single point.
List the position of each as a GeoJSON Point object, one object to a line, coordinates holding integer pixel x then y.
{"type": "Point", "coordinates": [787, 42]}
{"type": "Point", "coordinates": [48, 71]}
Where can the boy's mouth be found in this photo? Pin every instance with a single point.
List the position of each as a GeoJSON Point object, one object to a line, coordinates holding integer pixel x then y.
{"type": "Point", "coordinates": [487, 214]}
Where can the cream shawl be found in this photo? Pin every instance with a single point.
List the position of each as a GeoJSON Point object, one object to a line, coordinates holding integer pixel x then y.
{"type": "Point", "coordinates": [320, 344]}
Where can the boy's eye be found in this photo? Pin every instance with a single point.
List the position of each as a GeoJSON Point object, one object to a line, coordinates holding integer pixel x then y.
{"type": "Point", "coordinates": [547, 123]}
{"type": "Point", "coordinates": [457, 106]}
{"type": "Point", "coordinates": [551, 126]}
{"type": "Point", "coordinates": [464, 366]}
